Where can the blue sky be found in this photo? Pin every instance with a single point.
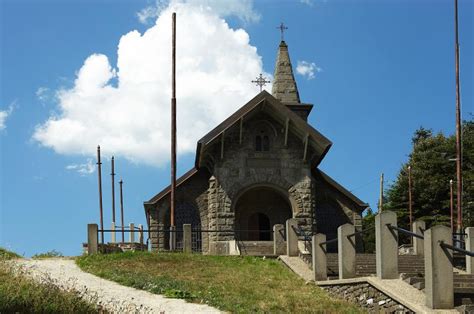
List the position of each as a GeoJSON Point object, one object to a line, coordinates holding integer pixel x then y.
{"type": "Point", "coordinates": [381, 70]}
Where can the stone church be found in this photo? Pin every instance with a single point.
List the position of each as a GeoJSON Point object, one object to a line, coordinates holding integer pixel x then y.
{"type": "Point", "coordinates": [256, 169]}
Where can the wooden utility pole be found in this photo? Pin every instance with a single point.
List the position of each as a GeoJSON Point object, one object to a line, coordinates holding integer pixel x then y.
{"type": "Point", "coordinates": [410, 209]}
{"type": "Point", "coordinates": [121, 211]}
{"type": "Point", "coordinates": [451, 204]}
{"type": "Point", "coordinates": [113, 190]}
{"type": "Point", "coordinates": [381, 193]}
{"type": "Point", "coordinates": [173, 120]}
{"type": "Point", "coordinates": [458, 124]}
{"type": "Point", "coordinates": [99, 171]}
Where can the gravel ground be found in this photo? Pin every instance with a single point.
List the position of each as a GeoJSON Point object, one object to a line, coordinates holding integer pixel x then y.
{"type": "Point", "coordinates": [107, 294]}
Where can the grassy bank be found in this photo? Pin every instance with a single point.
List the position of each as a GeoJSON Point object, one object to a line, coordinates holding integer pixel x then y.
{"type": "Point", "coordinates": [20, 294]}
{"type": "Point", "coordinates": [236, 284]}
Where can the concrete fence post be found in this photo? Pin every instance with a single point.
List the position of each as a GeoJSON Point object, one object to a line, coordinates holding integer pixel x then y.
{"type": "Point", "coordinates": [470, 247]}
{"type": "Point", "coordinates": [279, 247]}
{"type": "Point", "coordinates": [386, 245]}
{"type": "Point", "coordinates": [346, 251]}
{"type": "Point", "coordinates": [187, 244]}
{"type": "Point", "coordinates": [438, 268]}
{"type": "Point", "coordinates": [419, 227]}
{"type": "Point", "coordinates": [319, 260]}
{"type": "Point", "coordinates": [140, 234]}
{"type": "Point", "coordinates": [132, 232]}
{"type": "Point", "coordinates": [112, 236]}
{"type": "Point", "coordinates": [92, 239]}
{"type": "Point", "coordinates": [291, 237]}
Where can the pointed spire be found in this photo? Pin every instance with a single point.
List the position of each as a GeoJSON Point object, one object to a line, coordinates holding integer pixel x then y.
{"type": "Point", "coordinates": [284, 84]}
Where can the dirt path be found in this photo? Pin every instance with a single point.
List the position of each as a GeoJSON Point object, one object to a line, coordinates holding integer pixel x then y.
{"type": "Point", "coordinates": [108, 294]}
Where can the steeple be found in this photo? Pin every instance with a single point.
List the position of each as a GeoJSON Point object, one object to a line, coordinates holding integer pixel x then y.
{"type": "Point", "coordinates": [284, 84]}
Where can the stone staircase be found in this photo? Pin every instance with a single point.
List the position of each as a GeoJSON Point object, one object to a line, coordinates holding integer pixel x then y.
{"type": "Point", "coordinates": [411, 268]}
{"type": "Point", "coordinates": [256, 248]}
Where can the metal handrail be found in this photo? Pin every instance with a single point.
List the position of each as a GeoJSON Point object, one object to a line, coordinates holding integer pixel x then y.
{"type": "Point", "coordinates": [360, 232]}
{"type": "Point", "coordinates": [416, 235]}
{"type": "Point", "coordinates": [327, 242]}
{"type": "Point", "coordinates": [453, 248]}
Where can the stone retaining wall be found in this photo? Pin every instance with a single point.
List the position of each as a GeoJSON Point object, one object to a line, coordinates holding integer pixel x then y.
{"type": "Point", "coordinates": [366, 296]}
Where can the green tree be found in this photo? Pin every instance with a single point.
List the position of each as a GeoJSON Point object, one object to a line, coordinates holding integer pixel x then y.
{"type": "Point", "coordinates": [432, 167]}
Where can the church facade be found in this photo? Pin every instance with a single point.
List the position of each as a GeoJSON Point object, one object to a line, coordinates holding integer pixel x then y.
{"type": "Point", "coordinates": [256, 169]}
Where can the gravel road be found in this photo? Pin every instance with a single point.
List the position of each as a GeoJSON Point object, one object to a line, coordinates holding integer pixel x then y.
{"type": "Point", "coordinates": [109, 295]}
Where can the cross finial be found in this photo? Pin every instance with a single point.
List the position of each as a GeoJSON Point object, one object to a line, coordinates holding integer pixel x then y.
{"type": "Point", "coordinates": [260, 81]}
{"type": "Point", "coordinates": [282, 28]}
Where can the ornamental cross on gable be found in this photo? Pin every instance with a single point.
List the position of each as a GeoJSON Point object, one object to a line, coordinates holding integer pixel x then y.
{"type": "Point", "coordinates": [260, 81]}
{"type": "Point", "coordinates": [282, 29]}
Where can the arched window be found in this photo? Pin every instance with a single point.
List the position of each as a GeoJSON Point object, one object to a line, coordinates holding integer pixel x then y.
{"type": "Point", "coordinates": [258, 143]}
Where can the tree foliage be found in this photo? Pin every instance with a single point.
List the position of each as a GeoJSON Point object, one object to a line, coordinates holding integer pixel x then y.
{"type": "Point", "coordinates": [432, 162]}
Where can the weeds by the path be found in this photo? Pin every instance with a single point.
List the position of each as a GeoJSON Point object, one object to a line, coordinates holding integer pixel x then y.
{"type": "Point", "coordinates": [20, 294]}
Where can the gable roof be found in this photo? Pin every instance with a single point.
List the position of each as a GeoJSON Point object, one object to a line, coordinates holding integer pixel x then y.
{"type": "Point", "coordinates": [319, 173]}
{"type": "Point", "coordinates": [317, 141]}
{"type": "Point", "coordinates": [185, 177]}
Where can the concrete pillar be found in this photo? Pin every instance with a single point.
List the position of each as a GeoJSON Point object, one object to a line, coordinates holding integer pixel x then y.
{"type": "Point", "coordinates": [319, 257]}
{"type": "Point", "coordinates": [140, 234]}
{"type": "Point", "coordinates": [438, 268]}
{"type": "Point", "coordinates": [112, 236]}
{"type": "Point", "coordinates": [419, 227]}
{"type": "Point", "coordinates": [346, 251]}
{"type": "Point", "coordinates": [172, 238]}
{"type": "Point", "coordinates": [187, 244]}
{"type": "Point", "coordinates": [470, 247]}
{"type": "Point", "coordinates": [92, 239]}
{"type": "Point", "coordinates": [132, 232]}
{"type": "Point", "coordinates": [386, 245]}
{"type": "Point", "coordinates": [291, 237]}
{"type": "Point", "coordinates": [279, 245]}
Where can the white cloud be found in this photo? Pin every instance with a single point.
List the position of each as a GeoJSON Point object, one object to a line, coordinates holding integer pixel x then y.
{"type": "Point", "coordinates": [242, 9]}
{"type": "Point", "coordinates": [308, 2]}
{"type": "Point", "coordinates": [130, 115]}
{"type": "Point", "coordinates": [4, 114]}
{"type": "Point", "coordinates": [307, 69]}
{"type": "Point", "coordinates": [42, 93]}
{"type": "Point", "coordinates": [83, 169]}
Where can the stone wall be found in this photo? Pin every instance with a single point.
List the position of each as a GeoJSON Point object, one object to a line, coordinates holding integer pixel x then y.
{"type": "Point", "coordinates": [366, 296]}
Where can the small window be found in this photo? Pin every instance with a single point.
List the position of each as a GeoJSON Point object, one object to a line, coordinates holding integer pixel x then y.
{"type": "Point", "coordinates": [266, 144]}
{"type": "Point", "coordinates": [258, 143]}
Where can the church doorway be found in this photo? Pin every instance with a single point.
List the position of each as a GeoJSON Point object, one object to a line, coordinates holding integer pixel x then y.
{"type": "Point", "coordinates": [256, 212]}
{"type": "Point", "coordinates": [259, 227]}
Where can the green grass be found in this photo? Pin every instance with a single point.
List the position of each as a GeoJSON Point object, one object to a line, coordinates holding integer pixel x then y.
{"type": "Point", "coordinates": [19, 294]}
{"type": "Point", "coordinates": [235, 284]}
{"type": "Point", "coordinates": [7, 255]}
{"type": "Point", "coordinates": [49, 254]}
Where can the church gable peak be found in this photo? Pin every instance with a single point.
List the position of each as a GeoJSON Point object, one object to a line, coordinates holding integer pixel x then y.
{"type": "Point", "coordinates": [284, 84]}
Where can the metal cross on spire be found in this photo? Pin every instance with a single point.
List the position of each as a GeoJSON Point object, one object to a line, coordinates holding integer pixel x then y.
{"type": "Point", "coordinates": [260, 81]}
{"type": "Point", "coordinates": [282, 28]}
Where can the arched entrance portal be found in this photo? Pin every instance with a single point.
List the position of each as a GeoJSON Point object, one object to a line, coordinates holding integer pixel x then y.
{"type": "Point", "coordinates": [257, 211]}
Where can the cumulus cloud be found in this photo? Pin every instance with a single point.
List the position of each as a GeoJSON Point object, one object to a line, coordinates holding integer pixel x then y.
{"type": "Point", "coordinates": [242, 9]}
{"type": "Point", "coordinates": [126, 108]}
{"type": "Point", "coordinates": [307, 69]}
{"type": "Point", "coordinates": [42, 93]}
{"type": "Point", "coordinates": [4, 114]}
{"type": "Point", "coordinates": [83, 169]}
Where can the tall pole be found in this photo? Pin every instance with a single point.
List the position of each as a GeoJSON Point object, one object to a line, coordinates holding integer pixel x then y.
{"type": "Point", "coordinates": [173, 120]}
{"type": "Point", "coordinates": [458, 124]}
{"type": "Point", "coordinates": [410, 208]}
{"type": "Point", "coordinates": [451, 204]}
{"type": "Point", "coordinates": [121, 211]}
{"type": "Point", "coordinates": [113, 190]}
{"type": "Point", "coordinates": [381, 193]}
{"type": "Point", "coordinates": [99, 171]}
